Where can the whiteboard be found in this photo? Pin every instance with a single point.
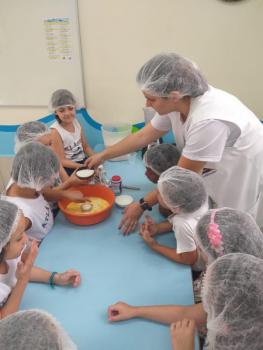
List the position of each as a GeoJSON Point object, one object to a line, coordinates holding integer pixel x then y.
{"type": "Point", "coordinates": [39, 51]}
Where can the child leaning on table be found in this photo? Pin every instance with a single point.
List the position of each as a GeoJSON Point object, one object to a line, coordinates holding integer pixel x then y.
{"type": "Point", "coordinates": [183, 192]}
{"type": "Point", "coordinates": [35, 166]}
{"type": "Point", "coordinates": [36, 131]}
{"type": "Point", "coordinates": [16, 271]}
{"type": "Point", "coordinates": [68, 137]}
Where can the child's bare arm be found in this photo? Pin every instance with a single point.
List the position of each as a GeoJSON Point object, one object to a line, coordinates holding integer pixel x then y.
{"type": "Point", "coordinates": [160, 313]}
{"type": "Point", "coordinates": [69, 277]}
{"type": "Point", "coordinates": [87, 149]}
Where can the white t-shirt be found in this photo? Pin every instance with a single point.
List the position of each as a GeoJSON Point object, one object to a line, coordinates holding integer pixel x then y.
{"type": "Point", "coordinates": [184, 227]}
{"type": "Point", "coordinates": [8, 280]}
{"type": "Point", "coordinates": [38, 211]}
{"type": "Point", "coordinates": [71, 140]}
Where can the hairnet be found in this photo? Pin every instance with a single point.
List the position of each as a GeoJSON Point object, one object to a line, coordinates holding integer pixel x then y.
{"type": "Point", "coordinates": [29, 132]}
{"type": "Point", "coordinates": [233, 300]}
{"type": "Point", "coordinates": [33, 330]}
{"type": "Point", "coordinates": [238, 233]}
{"type": "Point", "coordinates": [161, 157]}
{"type": "Point", "coordinates": [182, 188]}
{"type": "Point", "coordinates": [35, 166]}
{"type": "Point", "coordinates": [167, 72]}
{"type": "Point", "coordinates": [9, 218]}
{"type": "Point", "coordinates": [61, 98]}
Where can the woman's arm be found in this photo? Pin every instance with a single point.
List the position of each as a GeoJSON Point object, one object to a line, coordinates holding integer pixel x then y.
{"type": "Point", "coordinates": [161, 313]}
{"type": "Point", "coordinates": [131, 143]}
{"type": "Point", "coordinates": [193, 165]}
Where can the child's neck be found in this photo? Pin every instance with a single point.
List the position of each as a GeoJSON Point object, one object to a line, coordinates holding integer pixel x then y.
{"type": "Point", "coordinates": [68, 126]}
{"type": "Point", "coordinates": [24, 192]}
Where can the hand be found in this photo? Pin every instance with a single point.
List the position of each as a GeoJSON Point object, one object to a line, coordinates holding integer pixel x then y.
{"type": "Point", "coordinates": [120, 311]}
{"type": "Point", "coordinates": [73, 180]}
{"type": "Point", "coordinates": [94, 161]}
{"type": "Point", "coordinates": [150, 225]}
{"type": "Point", "coordinates": [130, 218]}
{"type": "Point", "coordinates": [24, 268]}
{"type": "Point", "coordinates": [70, 277]}
{"type": "Point", "coordinates": [182, 334]}
{"type": "Point", "coordinates": [75, 196]}
{"type": "Point", "coordinates": [146, 236]}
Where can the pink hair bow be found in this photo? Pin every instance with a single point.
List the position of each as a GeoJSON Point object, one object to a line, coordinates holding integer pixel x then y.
{"type": "Point", "coordinates": [214, 235]}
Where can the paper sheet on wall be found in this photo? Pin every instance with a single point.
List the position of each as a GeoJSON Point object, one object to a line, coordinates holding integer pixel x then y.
{"type": "Point", "coordinates": [58, 38]}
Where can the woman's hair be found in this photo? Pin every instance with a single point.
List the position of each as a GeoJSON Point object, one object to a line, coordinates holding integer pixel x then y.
{"type": "Point", "coordinates": [167, 72]}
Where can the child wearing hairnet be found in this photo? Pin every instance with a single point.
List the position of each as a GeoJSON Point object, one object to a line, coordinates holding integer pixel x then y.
{"type": "Point", "coordinates": [233, 300]}
{"type": "Point", "coordinates": [157, 159]}
{"type": "Point", "coordinates": [36, 131]}
{"type": "Point", "coordinates": [219, 232]}
{"type": "Point", "coordinates": [33, 330]}
{"type": "Point", "coordinates": [16, 271]}
{"type": "Point", "coordinates": [35, 167]}
{"type": "Point", "coordinates": [183, 192]}
{"type": "Point", "coordinates": [69, 141]}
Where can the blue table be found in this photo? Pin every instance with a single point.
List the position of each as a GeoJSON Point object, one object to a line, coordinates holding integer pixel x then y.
{"type": "Point", "coordinates": [113, 268]}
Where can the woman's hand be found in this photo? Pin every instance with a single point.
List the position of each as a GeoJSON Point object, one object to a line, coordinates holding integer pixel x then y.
{"type": "Point", "coordinates": [130, 218]}
{"type": "Point", "coordinates": [24, 268]}
{"type": "Point", "coordinates": [120, 311]}
{"type": "Point", "coordinates": [94, 161]}
{"type": "Point", "coordinates": [69, 277]}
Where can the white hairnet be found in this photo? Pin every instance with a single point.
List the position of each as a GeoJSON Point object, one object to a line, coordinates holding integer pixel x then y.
{"type": "Point", "coordinates": [161, 157]}
{"type": "Point", "coordinates": [182, 188]}
{"type": "Point", "coordinates": [9, 218]}
{"type": "Point", "coordinates": [35, 166]}
{"type": "Point", "coordinates": [237, 233]}
{"type": "Point", "coordinates": [233, 300]}
{"type": "Point", "coordinates": [29, 132]}
{"type": "Point", "coordinates": [167, 72]}
{"type": "Point", "coordinates": [33, 330]}
{"type": "Point", "coordinates": [61, 98]}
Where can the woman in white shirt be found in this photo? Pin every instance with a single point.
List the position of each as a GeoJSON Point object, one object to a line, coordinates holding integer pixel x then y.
{"type": "Point", "coordinates": [212, 128]}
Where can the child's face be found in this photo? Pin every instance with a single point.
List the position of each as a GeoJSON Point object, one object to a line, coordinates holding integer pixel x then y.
{"type": "Point", "coordinates": [151, 175]}
{"type": "Point", "coordinates": [66, 114]}
{"type": "Point", "coordinates": [17, 242]}
{"type": "Point", "coordinates": [46, 140]}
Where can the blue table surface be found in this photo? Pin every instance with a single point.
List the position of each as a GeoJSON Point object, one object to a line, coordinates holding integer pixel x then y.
{"type": "Point", "coordinates": [113, 268]}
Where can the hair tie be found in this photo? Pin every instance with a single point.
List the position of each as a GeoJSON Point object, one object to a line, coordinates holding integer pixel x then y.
{"type": "Point", "coordinates": [214, 235]}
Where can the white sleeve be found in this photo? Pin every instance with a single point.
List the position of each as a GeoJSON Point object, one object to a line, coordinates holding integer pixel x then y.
{"type": "Point", "coordinates": [206, 141]}
{"type": "Point", "coordinates": [184, 238]}
{"type": "Point", "coordinates": [161, 122]}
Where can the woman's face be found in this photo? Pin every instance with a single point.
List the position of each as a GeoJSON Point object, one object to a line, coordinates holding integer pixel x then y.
{"type": "Point", "coordinates": [151, 175]}
{"type": "Point", "coordinates": [66, 114]}
{"type": "Point", "coordinates": [162, 105]}
{"type": "Point", "coordinates": [18, 240]}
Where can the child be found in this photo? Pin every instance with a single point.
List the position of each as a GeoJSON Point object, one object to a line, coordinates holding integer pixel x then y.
{"type": "Point", "coordinates": [183, 192]}
{"type": "Point", "coordinates": [34, 167]}
{"type": "Point", "coordinates": [15, 273]}
{"type": "Point", "coordinates": [33, 330]}
{"type": "Point", "coordinates": [37, 131]}
{"type": "Point", "coordinates": [233, 300]}
{"type": "Point", "coordinates": [239, 234]}
{"type": "Point", "coordinates": [157, 159]}
{"type": "Point", "coordinates": [68, 138]}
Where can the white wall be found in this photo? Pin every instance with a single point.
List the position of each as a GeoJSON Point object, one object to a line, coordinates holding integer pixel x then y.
{"type": "Point", "coordinates": [118, 36]}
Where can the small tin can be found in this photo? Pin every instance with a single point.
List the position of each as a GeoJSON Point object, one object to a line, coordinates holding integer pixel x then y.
{"type": "Point", "coordinates": [116, 184]}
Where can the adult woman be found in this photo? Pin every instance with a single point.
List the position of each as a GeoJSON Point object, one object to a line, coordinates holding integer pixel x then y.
{"type": "Point", "coordinates": [212, 128]}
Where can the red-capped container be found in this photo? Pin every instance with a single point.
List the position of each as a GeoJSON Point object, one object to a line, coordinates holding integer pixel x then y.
{"type": "Point", "coordinates": [116, 184]}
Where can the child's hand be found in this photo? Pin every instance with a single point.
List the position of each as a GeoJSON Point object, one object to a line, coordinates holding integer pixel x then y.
{"type": "Point", "coordinates": [182, 334]}
{"type": "Point", "coordinates": [120, 311]}
{"type": "Point", "coordinates": [150, 225]}
{"type": "Point", "coordinates": [146, 236]}
{"type": "Point", "coordinates": [24, 268]}
{"type": "Point", "coordinates": [70, 277]}
{"type": "Point", "coordinates": [75, 181]}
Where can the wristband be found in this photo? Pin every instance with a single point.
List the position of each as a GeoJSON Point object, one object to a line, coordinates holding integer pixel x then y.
{"type": "Point", "coordinates": [144, 205]}
{"type": "Point", "coordinates": [51, 279]}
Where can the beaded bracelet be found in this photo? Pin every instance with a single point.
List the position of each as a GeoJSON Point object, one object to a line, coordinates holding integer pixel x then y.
{"type": "Point", "coordinates": [51, 279]}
